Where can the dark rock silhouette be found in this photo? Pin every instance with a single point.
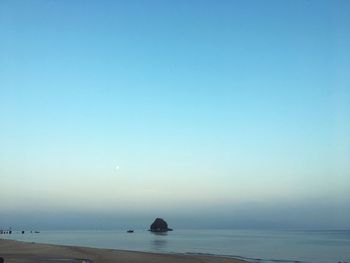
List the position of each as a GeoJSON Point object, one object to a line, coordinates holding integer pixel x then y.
{"type": "Point", "coordinates": [159, 225]}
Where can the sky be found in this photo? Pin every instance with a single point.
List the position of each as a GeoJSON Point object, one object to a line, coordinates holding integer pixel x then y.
{"type": "Point", "coordinates": [208, 113]}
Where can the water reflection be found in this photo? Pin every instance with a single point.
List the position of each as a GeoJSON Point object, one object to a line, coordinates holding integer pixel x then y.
{"type": "Point", "coordinates": [159, 242]}
{"type": "Point", "coordinates": [159, 233]}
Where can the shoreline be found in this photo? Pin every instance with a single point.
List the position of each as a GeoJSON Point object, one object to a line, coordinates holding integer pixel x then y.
{"type": "Point", "coordinates": [29, 252]}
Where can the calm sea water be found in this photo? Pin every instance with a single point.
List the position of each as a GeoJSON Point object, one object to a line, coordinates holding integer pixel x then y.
{"type": "Point", "coordinates": [253, 245]}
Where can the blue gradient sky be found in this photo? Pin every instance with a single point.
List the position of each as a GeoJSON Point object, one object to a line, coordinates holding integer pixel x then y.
{"type": "Point", "coordinates": [123, 109]}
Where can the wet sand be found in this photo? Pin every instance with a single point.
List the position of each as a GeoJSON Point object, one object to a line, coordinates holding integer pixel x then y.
{"type": "Point", "coordinates": [23, 252]}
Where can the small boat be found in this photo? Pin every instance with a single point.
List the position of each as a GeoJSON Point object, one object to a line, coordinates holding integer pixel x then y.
{"type": "Point", "coordinates": [130, 231]}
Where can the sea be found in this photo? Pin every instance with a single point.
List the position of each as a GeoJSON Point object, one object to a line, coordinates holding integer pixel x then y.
{"type": "Point", "coordinates": [265, 246]}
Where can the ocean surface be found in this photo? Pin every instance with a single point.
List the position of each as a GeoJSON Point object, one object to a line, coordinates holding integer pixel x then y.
{"type": "Point", "coordinates": [253, 245]}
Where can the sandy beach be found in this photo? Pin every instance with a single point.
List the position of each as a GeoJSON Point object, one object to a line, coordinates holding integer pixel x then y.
{"type": "Point", "coordinates": [23, 252]}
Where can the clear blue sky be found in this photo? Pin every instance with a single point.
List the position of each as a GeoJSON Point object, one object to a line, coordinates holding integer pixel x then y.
{"type": "Point", "coordinates": [177, 109]}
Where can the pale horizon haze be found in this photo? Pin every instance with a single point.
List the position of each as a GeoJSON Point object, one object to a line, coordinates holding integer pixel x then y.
{"type": "Point", "coordinates": [212, 114]}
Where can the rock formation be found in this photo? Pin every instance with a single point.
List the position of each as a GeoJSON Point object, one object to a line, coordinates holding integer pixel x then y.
{"type": "Point", "coordinates": [159, 225]}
